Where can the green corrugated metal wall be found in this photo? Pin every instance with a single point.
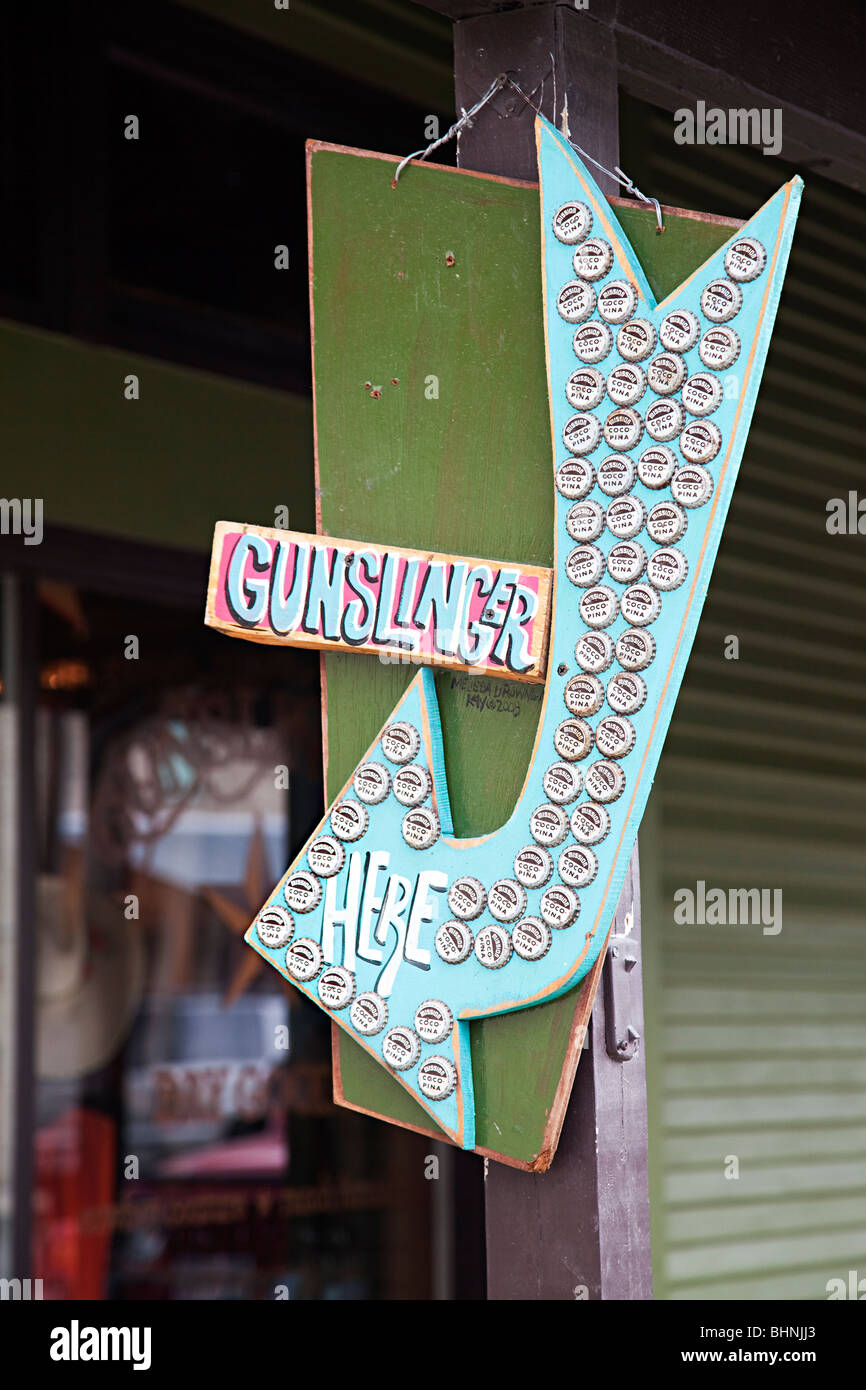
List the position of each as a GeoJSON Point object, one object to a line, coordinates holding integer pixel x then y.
{"type": "Point", "coordinates": [757, 1043]}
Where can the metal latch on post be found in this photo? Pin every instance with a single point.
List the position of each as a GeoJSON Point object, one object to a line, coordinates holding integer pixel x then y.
{"type": "Point", "coordinates": [622, 994]}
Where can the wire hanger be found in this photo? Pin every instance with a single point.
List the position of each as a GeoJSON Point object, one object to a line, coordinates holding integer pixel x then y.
{"type": "Point", "coordinates": [467, 117]}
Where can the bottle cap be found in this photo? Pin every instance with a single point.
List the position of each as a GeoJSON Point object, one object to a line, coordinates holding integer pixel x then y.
{"type": "Point", "coordinates": [664, 419]}
{"type": "Point", "coordinates": [531, 938]}
{"type": "Point", "coordinates": [656, 466]}
{"type": "Point", "coordinates": [274, 926]}
{"type": "Point", "coordinates": [594, 651]}
{"type": "Point", "coordinates": [433, 1021]}
{"type": "Point", "coordinates": [572, 222]}
{"type": "Point", "coordinates": [585, 566]}
{"type": "Point", "coordinates": [584, 695]}
{"type": "Point", "coordinates": [626, 383]}
{"type": "Point", "coordinates": [562, 783]}
{"type": "Point", "coordinates": [369, 1014]}
{"type": "Point", "coordinates": [533, 864]}
{"type": "Point", "coordinates": [349, 819]}
{"type": "Point", "coordinates": [666, 523]}
{"type": "Point", "coordinates": [493, 946]}
{"type": "Point", "coordinates": [640, 605]}
{"type": "Point", "coordinates": [679, 330]}
{"type": "Point", "coordinates": [302, 891]}
{"type": "Point", "coordinates": [616, 475]}
{"type": "Point", "coordinates": [437, 1078]}
{"type": "Point", "coordinates": [636, 340]}
{"type": "Point", "coordinates": [466, 898]}
{"type": "Point", "coordinates": [623, 428]}
{"type": "Point", "coordinates": [506, 900]}
{"type": "Point", "coordinates": [635, 649]}
{"type": "Point", "coordinates": [593, 259]}
{"type": "Point", "coordinates": [692, 485]}
{"type": "Point", "coordinates": [626, 692]}
{"type": "Point", "coordinates": [614, 736]}
{"type": "Point", "coordinates": [548, 824]}
{"type": "Point", "coordinates": [581, 434]}
{"type": "Point", "coordinates": [585, 521]}
{"type": "Point", "coordinates": [336, 987]}
{"type": "Point", "coordinates": [666, 373]}
{"type": "Point", "coordinates": [453, 942]}
{"type": "Point", "coordinates": [589, 823]}
{"type": "Point", "coordinates": [401, 1048]}
{"type": "Point", "coordinates": [599, 606]}
{"type": "Point", "coordinates": [625, 517]}
{"type": "Point", "coordinates": [721, 300]}
{"type": "Point", "coordinates": [572, 740]}
{"type": "Point", "coordinates": [605, 781]}
{"type": "Point", "coordinates": [326, 856]}
{"type": "Point", "coordinates": [372, 783]}
{"type": "Point", "coordinates": [700, 441]}
{"type": "Point", "coordinates": [421, 827]}
{"type": "Point", "coordinates": [574, 478]}
{"type": "Point", "coordinates": [575, 301]}
{"type": "Point", "coordinates": [304, 959]}
{"type": "Point", "coordinates": [667, 569]}
{"type": "Point", "coordinates": [702, 394]}
{"type": "Point", "coordinates": [626, 561]}
{"type": "Point", "coordinates": [400, 742]}
{"type": "Point", "coordinates": [412, 784]}
{"type": "Point", "coordinates": [617, 301]}
{"type": "Point", "coordinates": [577, 866]}
{"type": "Point", "coordinates": [745, 259]}
{"type": "Point", "coordinates": [719, 348]}
{"type": "Point", "coordinates": [592, 341]}
{"type": "Point", "coordinates": [585, 388]}
{"type": "Point", "coordinates": [559, 906]}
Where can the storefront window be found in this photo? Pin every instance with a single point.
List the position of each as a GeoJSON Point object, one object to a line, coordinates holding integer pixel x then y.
{"type": "Point", "coordinates": [185, 1143]}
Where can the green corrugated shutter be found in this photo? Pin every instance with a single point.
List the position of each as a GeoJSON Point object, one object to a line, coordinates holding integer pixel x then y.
{"type": "Point", "coordinates": [757, 1043]}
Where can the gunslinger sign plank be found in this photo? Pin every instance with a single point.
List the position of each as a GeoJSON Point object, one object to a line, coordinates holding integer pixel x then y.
{"type": "Point", "coordinates": [401, 931]}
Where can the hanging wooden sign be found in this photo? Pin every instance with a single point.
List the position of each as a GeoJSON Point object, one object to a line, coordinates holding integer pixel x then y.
{"type": "Point", "coordinates": [405, 933]}
{"type": "Point", "coordinates": [402, 605]}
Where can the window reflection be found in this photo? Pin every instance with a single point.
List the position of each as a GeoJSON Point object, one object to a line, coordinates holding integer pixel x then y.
{"type": "Point", "coordinates": [187, 1145]}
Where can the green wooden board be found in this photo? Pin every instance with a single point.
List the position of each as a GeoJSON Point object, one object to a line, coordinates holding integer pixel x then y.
{"type": "Point", "coordinates": [467, 471]}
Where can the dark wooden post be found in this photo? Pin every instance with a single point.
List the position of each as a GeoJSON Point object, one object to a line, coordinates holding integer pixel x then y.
{"type": "Point", "coordinates": [581, 1230]}
{"type": "Point", "coordinates": [563, 60]}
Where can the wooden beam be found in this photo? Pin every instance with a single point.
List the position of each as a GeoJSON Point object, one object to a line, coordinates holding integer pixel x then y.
{"type": "Point", "coordinates": [581, 1230]}
{"type": "Point", "coordinates": [673, 81]}
{"type": "Point", "coordinates": [462, 9]}
{"type": "Point", "coordinates": [730, 56]}
{"type": "Point", "coordinates": [556, 52]}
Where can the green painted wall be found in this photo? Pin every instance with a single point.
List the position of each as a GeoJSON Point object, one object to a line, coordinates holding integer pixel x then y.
{"type": "Point", "coordinates": [194, 449]}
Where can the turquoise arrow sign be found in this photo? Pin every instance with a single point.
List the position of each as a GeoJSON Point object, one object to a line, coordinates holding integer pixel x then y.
{"type": "Point", "coordinates": [402, 932]}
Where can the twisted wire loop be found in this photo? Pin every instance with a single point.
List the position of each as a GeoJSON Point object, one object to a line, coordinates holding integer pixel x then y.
{"type": "Point", "coordinates": [465, 119]}
{"type": "Point", "coordinates": [503, 79]}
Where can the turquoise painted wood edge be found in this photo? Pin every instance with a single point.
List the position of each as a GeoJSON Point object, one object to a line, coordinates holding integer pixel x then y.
{"type": "Point", "coordinates": [469, 989]}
